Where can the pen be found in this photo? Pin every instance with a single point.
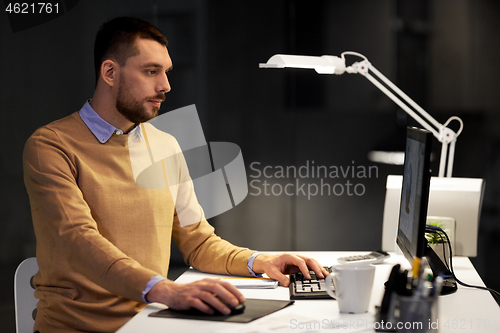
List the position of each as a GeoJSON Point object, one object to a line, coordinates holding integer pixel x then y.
{"type": "Point", "coordinates": [391, 287]}
{"type": "Point", "coordinates": [438, 285]}
{"type": "Point", "coordinates": [402, 288]}
{"type": "Point", "coordinates": [421, 290]}
{"type": "Point", "coordinates": [415, 268]}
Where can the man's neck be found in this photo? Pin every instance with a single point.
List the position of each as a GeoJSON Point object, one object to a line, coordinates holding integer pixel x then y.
{"type": "Point", "coordinates": [110, 114]}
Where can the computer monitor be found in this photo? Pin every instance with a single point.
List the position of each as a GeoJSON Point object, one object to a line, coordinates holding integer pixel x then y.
{"type": "Point", "coordinates": [414, 202]}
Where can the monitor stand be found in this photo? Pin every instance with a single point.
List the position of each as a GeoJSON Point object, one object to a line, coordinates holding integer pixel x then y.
{"type": "Point", "coordinates": [439, 268]}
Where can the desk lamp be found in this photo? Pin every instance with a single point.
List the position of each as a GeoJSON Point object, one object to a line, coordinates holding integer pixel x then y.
{"type": "Point", "coordinates": [464, 208]}
{"type": "Point", "coordinates": [334, 65]}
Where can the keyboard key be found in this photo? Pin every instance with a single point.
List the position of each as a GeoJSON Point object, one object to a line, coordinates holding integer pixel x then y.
{"type": "Point", "coordinates": [302, 288]}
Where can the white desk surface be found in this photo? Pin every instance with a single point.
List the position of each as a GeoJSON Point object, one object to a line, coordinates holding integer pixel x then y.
{"type": "Point", "coordinates": [464, 311]}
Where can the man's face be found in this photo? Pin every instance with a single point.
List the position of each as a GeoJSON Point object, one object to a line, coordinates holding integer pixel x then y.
{"type": "Point", "coordinates": [143, 82]}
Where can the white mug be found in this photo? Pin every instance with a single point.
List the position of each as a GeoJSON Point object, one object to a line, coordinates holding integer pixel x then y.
{"type": "Point", "coordinates": [351, 285]}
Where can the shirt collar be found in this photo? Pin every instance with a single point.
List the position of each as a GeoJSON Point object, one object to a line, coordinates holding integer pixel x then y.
{"type": "Point", "coordinates": [101, 129]}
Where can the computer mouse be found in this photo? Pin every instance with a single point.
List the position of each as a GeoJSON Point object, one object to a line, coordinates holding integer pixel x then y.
{"type": "Point", "coordinates": [234, 309]}
{"type": "Point", "coordinates": [237, 309]}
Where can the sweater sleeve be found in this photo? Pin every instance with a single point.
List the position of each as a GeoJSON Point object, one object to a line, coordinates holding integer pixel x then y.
{"type": "Point", "coordinates": [200, 246]}
{"type": "Point", "coordinates": [207, 252]}
{"type": "Point", "coordinates": [63, 221]}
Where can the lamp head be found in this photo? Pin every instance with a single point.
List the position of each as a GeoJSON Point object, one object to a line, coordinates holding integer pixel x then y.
{"type": "Point", "coordinates": [322, 65]}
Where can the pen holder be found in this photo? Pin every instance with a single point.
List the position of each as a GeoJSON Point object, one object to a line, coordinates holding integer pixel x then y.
{"type": "Point", "coordinates": [417, 314]}
{"type": "Point", "coordinates": [409, 314]}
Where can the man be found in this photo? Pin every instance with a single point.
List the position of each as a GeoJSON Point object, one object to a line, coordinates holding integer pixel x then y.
{"type": "Point", "coordinates": [103, 243]}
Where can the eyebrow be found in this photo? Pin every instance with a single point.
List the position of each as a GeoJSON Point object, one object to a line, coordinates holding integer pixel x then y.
{"type": "Point", "coordinates": [156, 65]}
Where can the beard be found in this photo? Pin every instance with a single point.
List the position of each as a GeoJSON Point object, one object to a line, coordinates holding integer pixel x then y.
{"type": "Point", "coordinates": [132, 109]}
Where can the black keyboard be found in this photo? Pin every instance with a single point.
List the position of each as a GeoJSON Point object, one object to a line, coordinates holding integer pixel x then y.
{"type": "Point", "coordinates": [302, 288]}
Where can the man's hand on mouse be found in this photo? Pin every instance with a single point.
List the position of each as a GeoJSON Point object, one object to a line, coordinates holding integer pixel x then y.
{"type": "Point", "coordinates": [276, 266]}
{"type": "Point", "coordinates": [204, 295]}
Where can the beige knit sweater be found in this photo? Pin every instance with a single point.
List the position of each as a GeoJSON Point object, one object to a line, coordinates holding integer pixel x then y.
{"type": "Point", "coordinates": [101, 237]}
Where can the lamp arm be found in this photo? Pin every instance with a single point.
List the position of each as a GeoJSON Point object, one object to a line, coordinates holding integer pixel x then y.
{"type": "Point", "coordinates": [404, 106]}
{"type": "Point", "coordinates": [336, 65]}
{"type": "Point", "coordinates": [445, 135]}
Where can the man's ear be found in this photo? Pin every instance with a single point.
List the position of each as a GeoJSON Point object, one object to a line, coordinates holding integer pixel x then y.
{"type": "Point", "coordinates": [109, 71]}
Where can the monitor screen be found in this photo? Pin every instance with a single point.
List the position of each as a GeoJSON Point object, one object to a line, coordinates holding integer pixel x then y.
{"type": "Point", "coordinates": [415, 193]}
{"type": "Point", "coordinates": [413, 206]}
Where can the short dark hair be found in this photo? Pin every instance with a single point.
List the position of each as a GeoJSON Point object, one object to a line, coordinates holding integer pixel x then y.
{"type": "Point", "coordinates": [116, 40]}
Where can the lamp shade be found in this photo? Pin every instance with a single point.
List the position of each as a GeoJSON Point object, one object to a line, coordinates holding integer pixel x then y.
{"type": "Point", "coordinates": [322, 65]}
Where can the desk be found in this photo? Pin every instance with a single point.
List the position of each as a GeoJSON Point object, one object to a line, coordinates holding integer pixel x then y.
{"type": "Point", "coordinates": [464, 311]}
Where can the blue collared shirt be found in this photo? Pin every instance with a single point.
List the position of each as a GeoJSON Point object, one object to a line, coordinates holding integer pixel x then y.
{"type": "Point", "coordinates": [102, 130]}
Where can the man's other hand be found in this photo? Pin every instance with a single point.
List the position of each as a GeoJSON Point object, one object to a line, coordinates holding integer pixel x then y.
{"type": "Point", "coordinates": [276, 266]}
{"type": "Point", "coordinates": [204, 295]}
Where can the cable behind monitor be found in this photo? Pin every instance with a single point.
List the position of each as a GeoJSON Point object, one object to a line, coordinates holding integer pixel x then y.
{"type": "Point", "coordinates": [434, 229]}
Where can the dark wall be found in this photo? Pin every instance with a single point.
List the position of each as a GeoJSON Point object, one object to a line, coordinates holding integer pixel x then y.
{"type": "Point", "coordinates": [442, 53]}
{"type": "Point", "coordinates": [297, 118]}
